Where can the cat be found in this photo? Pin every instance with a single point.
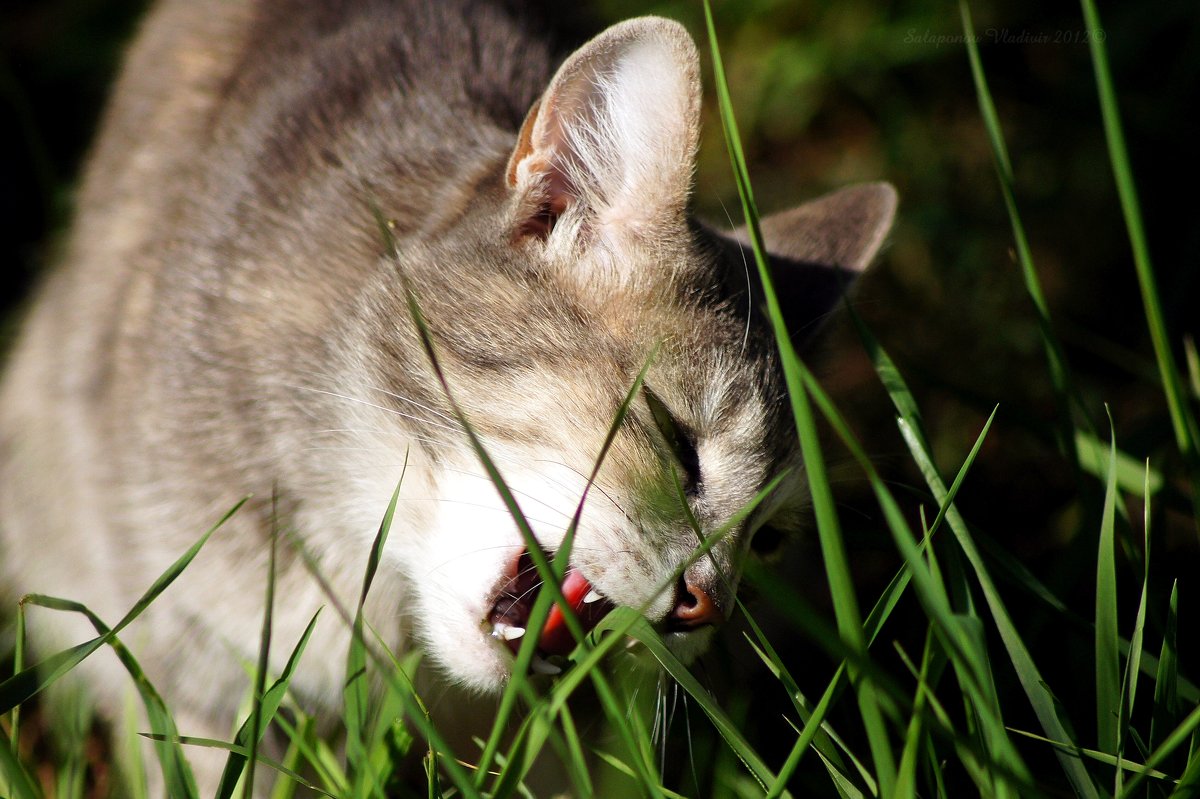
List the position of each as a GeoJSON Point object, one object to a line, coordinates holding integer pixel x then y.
{"type": "Point", "coordinates": [272, 182]}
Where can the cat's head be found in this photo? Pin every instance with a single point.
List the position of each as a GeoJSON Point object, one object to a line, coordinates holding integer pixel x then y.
{"type": "Point", "coordinates": [584, 267]}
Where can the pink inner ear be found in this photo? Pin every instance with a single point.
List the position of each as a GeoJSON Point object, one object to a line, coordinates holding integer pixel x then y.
{"type": "Point", "coordinates": [553, 194]}
{"type": "Point", "coordinates": [541, 223]}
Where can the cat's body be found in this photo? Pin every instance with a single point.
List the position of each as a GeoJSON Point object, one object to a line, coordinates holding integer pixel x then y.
{"type": "Point", "coordinates": [231, 320]}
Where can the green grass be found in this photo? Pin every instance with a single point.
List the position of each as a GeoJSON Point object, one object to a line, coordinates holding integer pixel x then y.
{"type": "Point", "coordinates": [949, 686]}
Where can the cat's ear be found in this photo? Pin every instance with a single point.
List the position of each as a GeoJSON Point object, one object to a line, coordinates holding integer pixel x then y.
{"type": "Point", "coordinates": [613, 139]}
{"type": "Point", "coordinates": [818, 249]}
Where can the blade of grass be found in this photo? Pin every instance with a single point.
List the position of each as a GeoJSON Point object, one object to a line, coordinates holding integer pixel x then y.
{"type": "Point", "coordinates": [1027, 672]}
{"type": "Point", "coordinates": [462, 780]}
{"type": "Point", "coordinates": [1166, 697]}
{"type": "Point", "coordinates": [355, 709]}
{"type": "Point", "coordinates": [315, 752]}
{"type": "Point", "coordinates": [18, 667]}
{"type": "Point", "coordinates": [391, 740]}
{"type": "Point", "coordinates": [432, 776]}
{"type": "Point", "coordinates": [875, 619]}
{"type": "Point", "coordinates": [906, 774]}
{"type": "Point", "coordinates": [624, 768]}
{"type": "Point", "coordinates": [1059, 371]}
{"type": "Point", "coordinates": [824, 740]}
{"type": "Point", "coordinates": [133, 761]}
{"type": "Point", "coordinates": [937, 720]}
{"type": "Point", "coordinates": [292, 760]}
{"type": "Point", "coordinates": [577, 763]}
{"type": "Point", "coordinates": [1183, 423]}
{"type": "Point", "coordinates": [849, 618]}
{"type": "Point", "coordinates": [1192, 358]}
{"type": "Point", "coordinates": [1108, 680]}
{"type": "Point", "coordinates": [1143, 770]}
{"type": "Point", "coordinates": [257, 726]}
{"type": "Point", "coordinates": [14, 777]}
{"type": "Point", "coordinates": [268, 705]}
{"type": "Point", "coordinates": [73, 718]}
{"type": "Point", "coordinates": [29, 681]}
{"type": "Point", "coordinates": [1189, 782]}
{"type": "Point", "coordinates": [212, 743]}
{"type": "Point", "coordinates": [837, 771]}
{"type": "Point", "coordinates": [176, 773]}
{"type": "Point", "coordinates": [1133, 661]}
{"type": "Point", "coordinates": [641, 630]}
{"type": "Point", "coordinates": [1094, 459]}
{"type": "Point", "coordinates": [1020, 576]}
{"type": "Point", "coordinates": [845, 788]}
{"type": "Point", "coordinates": [810, 623]}
{"type": "Point", "coordinates": [619, 625]}
{"type": "Point", "coordinates": [930, 590]}
{"type": "Point", "coordinates": [355, 692]}
{"type": "Point", "coordinates": [1180, 736]}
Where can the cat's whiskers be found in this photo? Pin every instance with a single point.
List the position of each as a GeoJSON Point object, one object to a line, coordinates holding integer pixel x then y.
{"type": "Point", "coordinates": [656, 726]}
{"type": "Point", "coordinates": [594, 485]}
{"type": "Point", "coordinates": [517, 547]}
{"type": "Point", "coordinates": [667, 715]}
{"type": "Point", "coordinates": [412, 401]}
{"type": "Point", "coordinates": [494, 452]}
{"type": "Point", "coordinates": [351, 505]}
{"type": "Point", "coordinates": [519, 492]}
{"type": "Point", "coordinates": [749, 288]}
{"type": "Point", "coordinates": [376, 406]}
{"type": "Point", "coordinates": [410, 465]}
{"type": "Point", "coordinates": [331, 380]}
{"type": "Point", "coordinates": [687, 729]}
{"type": "Point", "coordinates": [431, 443]}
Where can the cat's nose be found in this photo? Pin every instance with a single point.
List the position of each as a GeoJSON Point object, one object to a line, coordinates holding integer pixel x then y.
{"type": "Point", "coordinates": [694, 608]}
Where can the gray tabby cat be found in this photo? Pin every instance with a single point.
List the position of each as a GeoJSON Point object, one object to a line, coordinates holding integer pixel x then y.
{"type": "Point", "coordinates": [229, 320]}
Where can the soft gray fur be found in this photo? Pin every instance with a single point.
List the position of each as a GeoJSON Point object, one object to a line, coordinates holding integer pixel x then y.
{"type": "Point", "coordinates": [228, 320]}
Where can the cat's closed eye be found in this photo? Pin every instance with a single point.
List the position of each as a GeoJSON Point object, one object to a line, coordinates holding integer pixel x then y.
{"type": "Point", "coordinates": [681, 441]}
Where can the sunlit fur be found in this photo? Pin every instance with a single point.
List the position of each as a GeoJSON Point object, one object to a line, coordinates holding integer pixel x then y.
{"type": "Point", "coordinates": [232, 317]}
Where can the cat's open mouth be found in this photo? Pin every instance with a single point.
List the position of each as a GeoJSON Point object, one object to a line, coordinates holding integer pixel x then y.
{"type": "Point", "coordinates": [510, 615]}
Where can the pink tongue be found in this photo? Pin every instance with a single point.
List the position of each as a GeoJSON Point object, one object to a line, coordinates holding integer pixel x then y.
{"type": "Point", "coordinates": [556, 638]}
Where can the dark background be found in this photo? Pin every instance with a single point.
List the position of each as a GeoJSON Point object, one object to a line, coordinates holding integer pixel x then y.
{"type": "Point", "coordinates": [828, 93]}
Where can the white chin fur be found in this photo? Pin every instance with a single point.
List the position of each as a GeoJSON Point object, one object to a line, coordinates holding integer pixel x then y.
{"type": "Point", "coordinates": [463, 562]}
{"type": "Point", "coordinates": [463, 558]}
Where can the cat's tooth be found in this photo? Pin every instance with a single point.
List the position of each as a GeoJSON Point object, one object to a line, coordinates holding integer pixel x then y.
{"type": "Point", "coordinates": [511, 632]}
{"type": "Point", "coordinates": [542, 666]}
{"type": "Point", "coordinates": [592, 596]}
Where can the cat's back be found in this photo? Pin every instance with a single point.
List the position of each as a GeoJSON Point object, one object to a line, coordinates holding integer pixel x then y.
{"type": "Point", "coordinates": [249, 98]}
{"type": "Point", "coordinates": [237, 131]}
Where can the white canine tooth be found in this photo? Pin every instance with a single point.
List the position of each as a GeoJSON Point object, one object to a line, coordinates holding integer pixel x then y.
{"type": "Point", "coordinates": [543, 666]}
{"type": "Point", "coordinates": [592, 596]}
{"type": "Point", "coordinates": [507, 632]}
